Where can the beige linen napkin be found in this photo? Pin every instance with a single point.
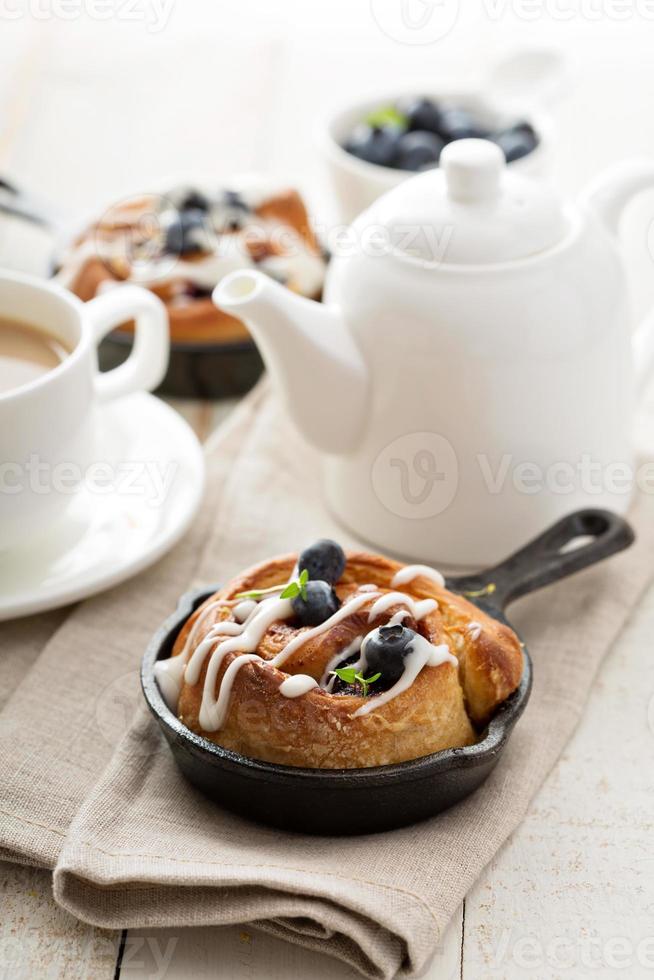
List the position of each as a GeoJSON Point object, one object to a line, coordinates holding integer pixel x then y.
{"type": "Point", "coordinates": [134, 845]}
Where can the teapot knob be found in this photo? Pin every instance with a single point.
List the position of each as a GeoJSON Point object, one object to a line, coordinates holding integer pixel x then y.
{"type": "Point", "coordinates": [473, 169]}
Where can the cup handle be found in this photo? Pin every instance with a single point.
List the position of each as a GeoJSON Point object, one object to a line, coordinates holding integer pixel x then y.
{"type": "Point", "coordinates": [146, 365]}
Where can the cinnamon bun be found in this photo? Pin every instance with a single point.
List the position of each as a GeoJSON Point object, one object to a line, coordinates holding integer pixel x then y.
{"type": "Point", "coordinates": [339, 660]}
{"type": "Point", "coordinates": [182, 243]}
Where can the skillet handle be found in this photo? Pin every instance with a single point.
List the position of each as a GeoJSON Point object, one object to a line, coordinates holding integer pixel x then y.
{"type": "Point", "coordinates": [549, 558]}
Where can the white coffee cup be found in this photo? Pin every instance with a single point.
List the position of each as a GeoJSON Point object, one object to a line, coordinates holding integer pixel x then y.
{"type": "Point", "coordinates": [49, 423]}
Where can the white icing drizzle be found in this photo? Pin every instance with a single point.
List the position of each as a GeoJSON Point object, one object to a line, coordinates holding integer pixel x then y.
{"type": "Point", "coordinates": [328, 678]}
{"type": "Point", "coordinates": [418, 609]}
{"type": "Point", "coordinates": [474, 629]}
{"type": "Point", "coordinates": [169, 674]}
{"type": "Point", "coordinates": [305, 268]}
{"type": "Point", "coordinates": [409, 572]}
{"type": "Point", "coordinates": [195, 629]}
{"type": "Point", "coordinates": [423, 654]}
{"type": "Point", "coordinates": [194, 665]}
{"type": "Point", "coordinates": [215, 710]}
{"type": "Point", "coordinates": [243, 609]}
{"type": "Point", "coordinates": [253, 619]}
{"type": "Point", "coordinates": [353, 604]}
{"type": "Point", "coordinates": [296, 685]}
{"type": "Point", "coordinates": [212, 709]}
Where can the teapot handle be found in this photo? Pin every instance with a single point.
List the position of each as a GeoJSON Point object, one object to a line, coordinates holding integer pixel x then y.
{"type": "Point", "coordinates": [607, 196]}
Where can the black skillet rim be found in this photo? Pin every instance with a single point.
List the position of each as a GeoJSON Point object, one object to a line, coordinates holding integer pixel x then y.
{"type": "Point", "coordinates": [469, 756]}
{"type": "Point", "coordinates": [125, 340]}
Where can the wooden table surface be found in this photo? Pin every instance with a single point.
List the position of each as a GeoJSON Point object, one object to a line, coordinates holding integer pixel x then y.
{"type": "Point", "coordinates": [91, 110]}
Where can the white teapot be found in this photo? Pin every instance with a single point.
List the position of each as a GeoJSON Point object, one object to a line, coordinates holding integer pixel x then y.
{"type": "Point", "coordinates": [469, 376]}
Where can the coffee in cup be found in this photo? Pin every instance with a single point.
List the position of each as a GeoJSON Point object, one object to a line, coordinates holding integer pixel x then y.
{"type": "Point", "coordinates": [26, 353]}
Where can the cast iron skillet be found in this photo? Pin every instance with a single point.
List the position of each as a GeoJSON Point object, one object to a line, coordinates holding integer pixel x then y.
{"type": "Point", "coordinates": [355, 801]}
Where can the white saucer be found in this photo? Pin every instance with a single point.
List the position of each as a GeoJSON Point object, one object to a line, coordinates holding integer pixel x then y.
{"type": "Point", "coordinates": [127, 517]}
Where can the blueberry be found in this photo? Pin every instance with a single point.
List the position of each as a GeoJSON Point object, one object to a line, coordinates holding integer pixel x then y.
{"type": "Point", "coordinates": [187, 233]}
{"type": "Point", "coordinates": [194, 201]}
{"type": "Point", "coordinates": [385, 650]}
{"type": "Point", "coordinates": [232, 199]}
{"type": "Point", "coordinates": [516, 142]}
{"type": "Point", "coordinates": [421, 114]}
{"type": "Point", "coordinates": [187, 198]}
{"type": "Point", "coordinates": [459, 124]}
{"type": "Point", "coordinates": [229, 212]}
{"type": "Point", "coordinates": [320, 603]}
{"type": "Point", "coordinates": [524, 126]}
{"type": "Point", "coordinates": [375, 144]}
{"type": "Point", "coordinates": [418, 149]}
{"type": "Point", "coordinates": [324, 560]}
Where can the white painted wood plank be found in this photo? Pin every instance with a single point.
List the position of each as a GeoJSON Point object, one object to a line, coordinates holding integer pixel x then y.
{"type": "Point", "coordinates": [38, 939]}
{"type": "Point", "coordinates": [572, 895]}
{"type": "Point", "coordinates": [21, 47]}
{"type": "Point", "coordinates": [107, 123]}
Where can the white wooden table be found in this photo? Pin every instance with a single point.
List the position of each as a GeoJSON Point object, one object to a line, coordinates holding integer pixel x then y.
{"type": "Point", "coordinates": [92, 109]}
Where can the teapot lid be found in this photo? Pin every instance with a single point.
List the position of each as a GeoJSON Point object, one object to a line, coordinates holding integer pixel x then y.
{"type": "Point", "coordinates": [471, 210]}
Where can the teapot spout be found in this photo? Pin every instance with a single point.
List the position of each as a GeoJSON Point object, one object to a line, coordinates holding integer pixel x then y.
{"type": "Point", "coordinates": [309, 353]}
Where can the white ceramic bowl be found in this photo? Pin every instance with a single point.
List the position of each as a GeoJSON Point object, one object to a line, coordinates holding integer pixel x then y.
{"type": "Point", "coordinates": [356, 183]}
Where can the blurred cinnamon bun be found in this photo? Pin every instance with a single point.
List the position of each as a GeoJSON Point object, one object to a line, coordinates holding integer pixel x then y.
{"type": "Point", "coordinates": [182, 243]}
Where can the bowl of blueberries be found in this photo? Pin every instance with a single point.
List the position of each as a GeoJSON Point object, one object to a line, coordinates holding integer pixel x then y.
{"type": "Point", "coordinates": [372, 147]}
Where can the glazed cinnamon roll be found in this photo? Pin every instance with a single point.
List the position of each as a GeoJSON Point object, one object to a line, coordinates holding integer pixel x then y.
{"type": "Point", "coordinates": [339, 660]}
{"type": "Point", "coordinates": [182, 243]}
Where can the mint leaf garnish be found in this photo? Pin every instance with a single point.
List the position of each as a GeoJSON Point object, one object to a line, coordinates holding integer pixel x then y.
{"type": "Point", "coordinates": [350, 675]}
{"type": "Point", "coordinates": [289, 591]}
{"type": "Point", "coordinates": [298, 587]}
{"type": "Point", "coordinates": [386, 115]}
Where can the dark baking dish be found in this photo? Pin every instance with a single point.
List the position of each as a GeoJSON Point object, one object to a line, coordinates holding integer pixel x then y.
{"type": "Point", "coordinates": [195, 370]}
{"type": "Point", "coordinates": [356, 801]}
